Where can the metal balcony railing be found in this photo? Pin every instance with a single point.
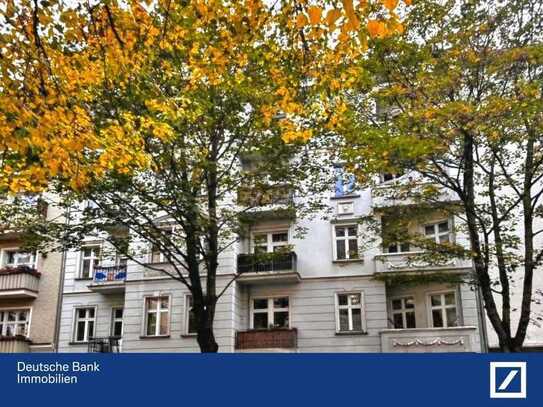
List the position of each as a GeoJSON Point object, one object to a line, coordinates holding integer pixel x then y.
{"type": "Point", "coordinates": [109, 344]}
{"type": "Point", "coordinates": [109, 273]}
{"type": "Point", "coordinates": [266, 262]}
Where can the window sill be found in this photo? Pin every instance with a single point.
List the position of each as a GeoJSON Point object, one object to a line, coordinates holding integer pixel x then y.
{"type": "Point", "coordinates": [83, 279]}
{"type": "Point", "coordinates": [347, 261]}
{"type": "Point", "coordinates": [349, 333]}
{"type": "Point", "coordinates": [77, 343]}
{"type": "Point", "coordinates": [189, 335]}
{"type": "Point", "coordinates": [154, 336]}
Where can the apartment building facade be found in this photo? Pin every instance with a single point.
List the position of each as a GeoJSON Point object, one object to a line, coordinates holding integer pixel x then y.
{"type": "Point", "coordinates": [326, 291]}
{"type": "Point", "coordinates": [30, 283]}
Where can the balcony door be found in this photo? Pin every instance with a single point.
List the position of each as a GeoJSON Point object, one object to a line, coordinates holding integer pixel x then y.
{"type": "Point", "coordinates": [269, 242]}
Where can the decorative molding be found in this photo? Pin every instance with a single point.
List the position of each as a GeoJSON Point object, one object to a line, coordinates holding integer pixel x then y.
{"type": "Point", "coordinates": [435, 342]}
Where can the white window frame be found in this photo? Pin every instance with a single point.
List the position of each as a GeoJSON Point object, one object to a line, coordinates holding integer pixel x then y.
{"type": "Point", "coordinates": [346, 238]}
{"type": "Point", "coordinates": [270, 244]}
{"type": "Point", "coordinates": [4, 257]}
{"type": "Point", "coordinates": [350, 307]}
{"type": "Point", "coordinates": [82, 258]}
{"type": "Point", "coordinates": [270, 310]}
{"type": "Point", "coordinates": [86, 320]}
{"type": "Point", "coordinates": [443, 308]}
{"type": "Point", "coordinates": [188, 308]}
{"type": "Point", "coordinates": [403, 311]}
{"type": "Point", "coordinates": [28, 321]}
{"type": "Point", "coordinates": [436, 235]}
{"type": "Point", "coordinates": [162, 256]}
{"type": "Point", "coordinates": [159, 316]}
{"type": "Point", "coordinates": [341, 208]}
{"type": "Point", "coordinates": [115, 319]}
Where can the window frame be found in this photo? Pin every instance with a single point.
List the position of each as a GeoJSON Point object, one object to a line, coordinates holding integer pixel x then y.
{"type": "Point", "coordinates": [346, 238]}
{"type": "Point", "coordinates": [443, 308]}
{"type": "Point", "coordinates": [162, 256]}
{"type": "Point", "coordinates": [361, 306]}
{"type": "Point", "coordinates": [4, 256]}
{"type": "Point", "coordinates": [187, 309]}
{"type": "Point", "coordinates": [270, 245]}
{"type": "Point", "coordinates": [76, 319]}
{"type": "Point", "coordinates": [28, 321]}
{"type": "Point", "coordinates": [82, 259]}
{"type": "Point", "coordinates": [114, 319]}
{"type": "Point", "coordinates": [270, 310]}
{"type": "Point", "coordinates": [435, 237]}
{"type": "Point", "coordinates": [157, 328]}
{"type": "Point", "coordinates": [403, 311]}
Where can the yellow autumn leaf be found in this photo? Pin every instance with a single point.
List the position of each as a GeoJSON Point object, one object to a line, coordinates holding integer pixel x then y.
{"type": "Point", "coordinates": [377, 29]}
{"type": "Point", "coordinates": [314, 14]}
{"type": "Point", "coordinates": [332, 16]}
{"type": "Point", "coordinates": [353, 21]}
{"type": "Point", "coordinates": [408, 2]}
{"type": "Point", "coordinates": [301, 21]}
{"type": "Point", "coordinates": [390, 4]}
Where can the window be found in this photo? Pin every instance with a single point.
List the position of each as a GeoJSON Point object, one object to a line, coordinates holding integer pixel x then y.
{"type": "Point", "coordinates": [443, 310]}
{"type": "Point", "coordinates": [438, 232]}
{"type": "Point", "coordinates": [349, 312]}
{"type": "Point", "coordinates": [345, 208]}
{"type": "Point", "coordinates": [190, 320]}
{"type": "Point", "coordinates": [269, 242]}
{"type": "Point", "coordinates": [386, 177]}
{"type": "Point", "coordinates": [157, 255]}
{"type": "Point", "coordinates": [16, 258]}
{"type": "Point", "coordinates": [14, 322]}
{"type": "Point", "coordinates": [270, 313]}
{"type": "Point", "coordinates": [117, 322]}
{"type": "Point", "coordinates": [157, 316]}
{"type": "Point", "coordinates": [403, 313]}
{"type": "Point", "coordinates": [392, 233]}
{"type": "Point", "coordinates": [398, 248]}
{"type": "Point", "coordinates": [90, 258]}
{"type": "Point", "coordinates": [346, 242]}
{"type": "Point", "coordinates": [85, 319]}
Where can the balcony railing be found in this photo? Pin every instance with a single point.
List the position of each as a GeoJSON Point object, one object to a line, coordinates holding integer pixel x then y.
{"type": "Point", "coordinates": [265, 195]}
{"type": "Point", "coordinates": [109, 273]}
{"type": "Point", "coordinates": [19, 282]}
{"type": "Point", "coordinates": [411, 261]}
{"type": "Point", "coordinates": [108, 279]}
{"type": "Point", "coordinates": [267, 339]}
{"type": "Point", "coordinates": [109, 344]}
{"type": "Point", "coordinates": [266, 262]}
{"type": "Point", "coordinates": [423, 340]}
{"type": "Point", "coordinates": [14, 344]}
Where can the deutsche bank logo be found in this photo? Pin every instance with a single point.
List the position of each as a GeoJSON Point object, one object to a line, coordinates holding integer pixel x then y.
{"type": "Point", "coordinates": [508, 380]}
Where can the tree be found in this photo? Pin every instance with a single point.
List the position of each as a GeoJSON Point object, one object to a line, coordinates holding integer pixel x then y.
{"type": "Point", "coordinates": [460, 104]}
{"type": "Point", "coordinates": [145, 108]}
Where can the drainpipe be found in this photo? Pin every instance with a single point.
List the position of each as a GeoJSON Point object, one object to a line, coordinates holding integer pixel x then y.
{"type": "Point", "coordinates": [61, 289]}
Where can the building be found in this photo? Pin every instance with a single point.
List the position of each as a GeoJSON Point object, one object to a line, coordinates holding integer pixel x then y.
{"type": "Point", "coordinates": [30, 284]}
{"type": "Point", "coordinates": [326, 292]}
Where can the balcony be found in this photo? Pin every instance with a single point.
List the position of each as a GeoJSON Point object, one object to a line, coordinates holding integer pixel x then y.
{"type": "Point", "coordinates": [266, 202]}
{"type": "Point", "coordinates": [110, 344]}
{"type": "Point", "coordinates": [266, 340]}
{"type": "Point", "coordinates": [267, 268]}
{"type": "Point", "coordinates": [412, 261]}
{"type": "Point", "coordinates": [406, 191]}
{"type": "Point", "coordinates": [108, 279]}
{"type": "Point", "coordinates": [14, 344]}
{"type": "Point", "coordinates": [19, 282]}
{"type": "Point", "coordinates": [424, 340]}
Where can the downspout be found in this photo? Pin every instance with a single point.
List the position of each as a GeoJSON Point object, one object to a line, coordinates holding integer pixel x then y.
{"type": "Point", "coordinates": [61, 289]}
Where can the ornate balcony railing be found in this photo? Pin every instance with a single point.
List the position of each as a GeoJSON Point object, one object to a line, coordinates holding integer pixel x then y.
{"type": "Point", "coordinates": [109, 344]}
{"type": "Point", "coordinates": [109, 273]}
{"type": "Point", "coordinates": [266, 262]}
{"type": "Point", "coordinates": [267, 339]}
{"type": "Point", "coordinates": [422, 340]}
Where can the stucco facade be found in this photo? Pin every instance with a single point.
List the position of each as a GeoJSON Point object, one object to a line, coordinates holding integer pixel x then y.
{"type": "Point", "coordinates": [30, 284]}
{"type": "Point", "coordinates": [322, 296]}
